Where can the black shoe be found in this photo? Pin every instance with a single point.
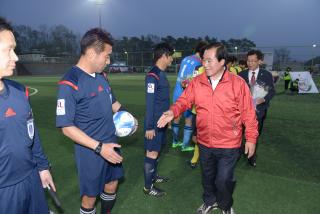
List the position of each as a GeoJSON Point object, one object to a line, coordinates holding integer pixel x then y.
{"type": "Point", "coordinates": [204, 209]}
{"type": "Point", "coordinates": [160, 179]}
{"type": "Point", "coordinates": [192, 165]}
{"type": "Point", "coordinates": [253, 161]}
{"type": "Point", "coordinates": [154, 191]}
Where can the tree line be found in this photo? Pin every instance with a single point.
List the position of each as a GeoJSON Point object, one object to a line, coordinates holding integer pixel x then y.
{"type": "Point", "coordinates": [61, 41]}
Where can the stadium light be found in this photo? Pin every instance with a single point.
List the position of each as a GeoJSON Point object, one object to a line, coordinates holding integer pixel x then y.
{"type": "Point", "coordinates": [99, 3]}
{"type": "Point", "coordinates": [127, 55]}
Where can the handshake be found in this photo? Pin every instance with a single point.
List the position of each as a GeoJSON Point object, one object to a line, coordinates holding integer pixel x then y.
{"type": "Point", "coordinates": [185, 83]}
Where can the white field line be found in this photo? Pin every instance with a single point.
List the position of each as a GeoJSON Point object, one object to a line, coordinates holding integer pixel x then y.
{"type": "Point", "coordinates": [34, 91]}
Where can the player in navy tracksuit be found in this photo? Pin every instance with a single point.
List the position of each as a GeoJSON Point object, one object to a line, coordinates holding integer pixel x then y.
{"type": "Point", "coordinates": [24, 168]}
{"type": "Point", "coordinates": [84, 112]}
{"type": "Point", "coordinates": [157, 101]}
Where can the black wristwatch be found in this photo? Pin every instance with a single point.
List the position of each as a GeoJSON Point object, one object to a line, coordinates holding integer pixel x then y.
{"type": "Point", "coordinates": [97, 150]}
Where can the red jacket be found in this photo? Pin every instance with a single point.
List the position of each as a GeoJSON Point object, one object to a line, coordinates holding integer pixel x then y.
{"type": "Point", "coordinates": [221, 113]}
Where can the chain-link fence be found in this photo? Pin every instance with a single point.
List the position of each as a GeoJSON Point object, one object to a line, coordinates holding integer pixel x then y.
{"type": "Point", "coordinates": [299, 58]}
{"type": "Point", "coordinates": [278, 58]}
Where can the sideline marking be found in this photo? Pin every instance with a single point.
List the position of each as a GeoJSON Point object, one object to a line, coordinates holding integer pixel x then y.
{"type": "Point", "coordinates": [35, 91]}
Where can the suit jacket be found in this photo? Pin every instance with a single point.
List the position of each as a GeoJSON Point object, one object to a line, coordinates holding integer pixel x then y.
{"type": "Point", "coordinates": [264, 78]}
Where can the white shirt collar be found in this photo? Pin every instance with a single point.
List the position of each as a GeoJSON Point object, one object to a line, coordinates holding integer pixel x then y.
{"type": "Point", "coordinates": [93, 74]}
{"type": "Point", "coordinates": [255, 73]}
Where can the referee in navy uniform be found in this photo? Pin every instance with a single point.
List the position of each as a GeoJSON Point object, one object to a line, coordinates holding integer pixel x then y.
{"type": "Point", "coordinates": [24, 168]}
{"type": "Point", "coordinates": [157, 90]}
{"type": "Point", "coordinates": [85, 108]}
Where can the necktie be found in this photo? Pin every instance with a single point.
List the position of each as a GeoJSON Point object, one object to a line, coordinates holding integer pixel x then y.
{"type": "Point", "coordinates": [253, 79]}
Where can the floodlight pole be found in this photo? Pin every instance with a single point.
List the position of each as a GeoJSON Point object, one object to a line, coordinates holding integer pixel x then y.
{"type": "Point", "coordinates": [99, 3]}
{"type": "Point", "coordinates": [236, 48]}
{"type": "Point", "coordinates": [127, 57]}
{"type": "Point", "coordinates": [99, 15]}
{"type": "Point", "coordinates": [142, 63]}
{"type": "Point", "coordinates": [313, 47]}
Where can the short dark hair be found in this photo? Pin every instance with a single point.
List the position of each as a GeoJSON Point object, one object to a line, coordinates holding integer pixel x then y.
{"type": "Point", "coordinates": [95, 38]}
{"type": "Point", "coordinates": [5, 25]}
{"type": "Point", "coordinates": [242, 62]}
{"type": "Point", "coordinates": [160, 49]}
{"type": "Point", "coordinates": [200, 46]}
{"type": "Point", "coordinates": [231, 59]}
{"type": "Point", "coordinates": [221, 52]}
{"type": "Point", "coordinates": [258, 53]}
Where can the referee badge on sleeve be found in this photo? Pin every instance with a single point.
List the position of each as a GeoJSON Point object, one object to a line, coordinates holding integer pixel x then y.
{"type": "Point", "coordinates": [30, 128]}
{"type": "Point", "coordinates": [61, 110]}
{"type": "Point", "coordinates": [150, 87]}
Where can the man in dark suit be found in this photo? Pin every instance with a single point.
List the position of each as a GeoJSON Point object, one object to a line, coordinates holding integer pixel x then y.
{"type": "Point", "coordinates": [260, 82]}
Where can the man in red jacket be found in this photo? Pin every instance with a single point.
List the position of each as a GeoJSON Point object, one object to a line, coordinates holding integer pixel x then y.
{"type": "Point", "coordinates": [224, 105]}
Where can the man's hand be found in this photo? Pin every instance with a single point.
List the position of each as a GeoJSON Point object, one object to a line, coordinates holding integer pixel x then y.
{"type": "Point", "coordinates": [108, 153]}
{"type": "Point", "coordinates": [150, 134]}
{"type": "Point", "coordinates": [46, 179]}
{"type": "Point", "coordinates": [249, 149]}
{"type": "Point", "coordinates": [260, 100]}
{"type": "Point", "coordinates": [185, 83]}
{"type": "Point", "coordinates": [165, 118]}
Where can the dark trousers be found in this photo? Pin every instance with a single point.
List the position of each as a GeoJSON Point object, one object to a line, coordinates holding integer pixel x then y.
{"type": "Point", "coordinates": [217, 168]}
{"type": "Point", "coordinates": [260, 119]}
{"type": "Point", "coordinates": [260, 123]}
{"type": "Point", "coordinates": [286, 84]}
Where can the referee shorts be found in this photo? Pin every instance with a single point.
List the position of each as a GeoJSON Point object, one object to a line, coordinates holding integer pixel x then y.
{"type": "Point", "coordinates": [94, 171]}
{"type": "Point", "coordinates": [157, 142]}
{"type": "Point", "coordinates": [25, 197]}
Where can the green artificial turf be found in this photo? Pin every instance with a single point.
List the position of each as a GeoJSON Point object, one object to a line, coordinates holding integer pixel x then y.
{"type": "Point", "coordinates": [285, 181]}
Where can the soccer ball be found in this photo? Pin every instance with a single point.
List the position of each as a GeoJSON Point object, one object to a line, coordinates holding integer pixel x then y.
{"type": "Point", "coordinates": [124, 123]}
